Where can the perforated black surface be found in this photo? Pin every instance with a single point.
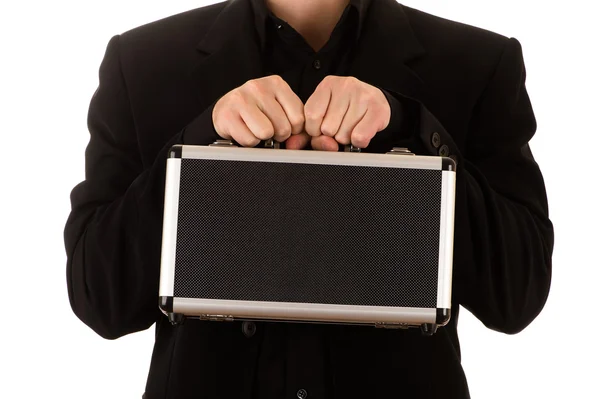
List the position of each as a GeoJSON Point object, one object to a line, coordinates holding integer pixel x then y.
{"type": "Point", "coordinates": [308, 233]}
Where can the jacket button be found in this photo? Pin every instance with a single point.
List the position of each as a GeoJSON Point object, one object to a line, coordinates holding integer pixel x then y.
{"type": "Point", "coordinates": [302, 394]}
{"type": "Point", "coordinates": [444, 151]}
{"type": "Point", "coordinates": [436, 140]}
{"type": "Point", "coordinates": [454, 158]}
{"type": "Point", "coordinates": [249, 328]}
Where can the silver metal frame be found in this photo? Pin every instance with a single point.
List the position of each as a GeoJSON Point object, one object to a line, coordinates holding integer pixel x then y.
{"type": "Point", "coordinates": [167, 261]}
{"type": "Point", "coordinates": [225, 309]}
{"type": "Point", "coordinates": [310, 157]}
{"type": "Point", "coordinates": [444, 289]}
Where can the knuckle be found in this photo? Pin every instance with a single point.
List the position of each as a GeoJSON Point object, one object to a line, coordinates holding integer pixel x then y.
{"type": "Point", "coordinates": [350, 82]}
{"type": "Point", "coordinates": [367, 96]}
{"type": "Point", "coordinates": [234, 98]}
{"type": "Point", "coordinates": [384, 114]}
{"type": "Point", "coordinates": [218, 124]}
{"type": "Point", "coordinates": [222, 131]}
{"type": "Point", "coordinates": [284, 131]}
{"type": "Point", "coordinates": [360, 139]}
{"type": "Point", "coordinates": [380, 107]}
{"type": "Point", "coordinates": [276, 80]}
{"type": "Point", "coordinates": [327, 129]}
{"type": "Point", "coordinates": [248, 141]}
{"type": "Point", "coordinates": [243, 140]}
{"type": "Point", "coordinates": [264, 133]}
{"type": "Point", "coordinates": [249, 85]}
{"type": "Point", "coordinates": [312, 114]}
{"type": "Point", "coordinates": [342, 139]}
{"type": "Point", "coordinates": [366, 100]}
{"type": "Point", "coordinates": [329, 80]}
{"type": "Point", "coordinates": [282, 137]}
{"type": "Point", "coordinates": [220, 117]}
{"type": "Point", "coordinates": [252, 143]}
{"type": "Point", "coordinates": [254, 87]}
{"type": "Point", "coordinates": [359, 143]}
{"type": "Point", "coordinates": [379, 97]}
{"type": "Point", "coordinates": [297, 121]}
{"type": "Point", "coordinates": [227, 113]}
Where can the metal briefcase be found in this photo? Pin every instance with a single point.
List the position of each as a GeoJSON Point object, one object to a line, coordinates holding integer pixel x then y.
{"type": "Point", "coordinates": [307, 236]}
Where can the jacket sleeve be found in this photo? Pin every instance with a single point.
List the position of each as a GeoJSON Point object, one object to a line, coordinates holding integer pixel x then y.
{"type": "Point", "coordinates": [113, 233]}
{"type": "Point", "coordinates": [503, 236]}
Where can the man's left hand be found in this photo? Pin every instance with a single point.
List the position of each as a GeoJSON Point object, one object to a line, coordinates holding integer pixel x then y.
{"type": "Point", "coordinates": [342, 110]}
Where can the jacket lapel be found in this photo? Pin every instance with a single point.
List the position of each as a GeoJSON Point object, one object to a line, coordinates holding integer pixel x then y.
{"type": "Point", "coordinates": [386, 46]}
{"type": "Point", "coordinates": [230, 54]}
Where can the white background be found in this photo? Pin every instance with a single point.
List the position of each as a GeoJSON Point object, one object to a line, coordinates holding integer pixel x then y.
{"type": "Point", "coordinates": [50, 53]}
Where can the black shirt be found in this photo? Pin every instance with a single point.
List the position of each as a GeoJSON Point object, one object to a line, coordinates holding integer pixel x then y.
{"type": "Point", "coordinates": [287, 54]}
{"type": "Point", "coordinates": [286, 348]}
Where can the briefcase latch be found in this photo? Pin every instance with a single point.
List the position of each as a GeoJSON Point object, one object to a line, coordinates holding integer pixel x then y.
{"type": "Point", "coordinates": [222, 143]}
{"type": "Point", "coordinates": [381, 324]}
{"type": "Point", "coordinates": [216, 317]}
{"type": "Point", "coordinates": [400, 151]}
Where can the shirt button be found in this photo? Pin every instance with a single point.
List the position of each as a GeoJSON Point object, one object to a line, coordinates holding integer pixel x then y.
{"type": "Point", "coordinates": [436, 140]}
{"type": "Point", "coordinates": [317, 64]}
{"type": "Point", "coordinates": [444, 151]}
{"type": "Point", "coordinates": [249, 328]}
{"type": "Point", "coordinates": [302, 394]}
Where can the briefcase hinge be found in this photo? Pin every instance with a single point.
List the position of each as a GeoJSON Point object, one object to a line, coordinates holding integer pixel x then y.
{"type": "Point", "coordinates": [270, 143]}
{"type": "Point", "coordinates": [351, 148]}
{"type": "Point", "coordinates": [382, 324]}
{"type": "Point", "coordinates": [216, 317]}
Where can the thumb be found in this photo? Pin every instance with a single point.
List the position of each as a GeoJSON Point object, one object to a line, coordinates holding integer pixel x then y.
{"type": "Point", "coordinates": [324, 143]}
{"type": "Point", "coordinates": [297, 141]}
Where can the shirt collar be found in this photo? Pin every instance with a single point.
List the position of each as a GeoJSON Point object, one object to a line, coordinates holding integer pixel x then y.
{"type": "Point", "coordinates": [262, 15]}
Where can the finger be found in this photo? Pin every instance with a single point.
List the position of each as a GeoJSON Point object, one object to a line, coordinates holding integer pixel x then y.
{"type": "Point", "coordinates": [258, 123]}
{"type": "Point", "coordinates": [291, 104]}
{"type": "Point", "coordinates": [324, 143]}
{"type": "Point", "coordinates": [315, 109]}
{"type": "Point", "coordinates": [273, 110]}
{"type": "Point", "coordinates": [365, 130]}
{"type": "Point", "coordinates": [297, 141]}
{"type": "Point", "coordinates": [237, 130]}
{"type": "Point", "coordinates": [337, 109]}
{"type": "Point", "coordinates": [355, 114]}
{"type": "Point", "coordinates": [220, 117]}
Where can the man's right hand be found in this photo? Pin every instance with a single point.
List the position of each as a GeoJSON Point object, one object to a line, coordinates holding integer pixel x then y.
{"type": "Point", "coordinates": [260, 109]}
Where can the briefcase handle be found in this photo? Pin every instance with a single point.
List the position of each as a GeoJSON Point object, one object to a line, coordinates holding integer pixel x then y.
{"type": "Point", "coordinates": [270, 143]}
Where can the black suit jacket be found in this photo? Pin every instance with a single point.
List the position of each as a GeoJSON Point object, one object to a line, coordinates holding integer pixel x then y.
{"type": "Point", "coordinates": [463, 91]}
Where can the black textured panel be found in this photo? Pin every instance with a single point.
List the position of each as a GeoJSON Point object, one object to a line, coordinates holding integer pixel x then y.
{"type": "Point", "coordinates": [308, 233]}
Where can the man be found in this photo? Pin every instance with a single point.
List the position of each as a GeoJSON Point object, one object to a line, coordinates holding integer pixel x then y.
{"type": "Point", "coordinates": [313, 74]}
